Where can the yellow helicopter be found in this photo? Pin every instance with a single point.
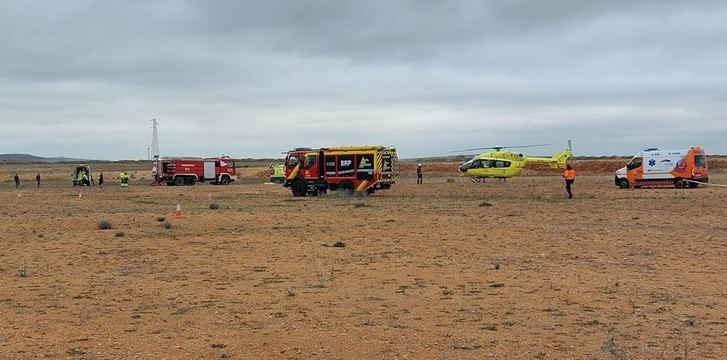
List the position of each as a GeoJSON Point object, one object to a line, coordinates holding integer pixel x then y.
{"type": "Point", "coordinates": [506, 164]}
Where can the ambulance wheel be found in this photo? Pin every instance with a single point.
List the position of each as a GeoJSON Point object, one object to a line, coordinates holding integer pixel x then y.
{"type": "Point", "coordinates": [189, 181]}
{"type": "Point", "coordinates": [680, 184]}
{"type": "Point", "coordinates": [346, 187]}
{"type": "Point", "coordinates": [179, 180]}
{"type": "Point", "coordinates": [299, 188]}
{"type": "Point", "coordinates": [623, 183]}
{"type": "Point", "coordinates": [225, 180]}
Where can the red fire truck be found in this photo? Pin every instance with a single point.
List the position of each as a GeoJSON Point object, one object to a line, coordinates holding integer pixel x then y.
{"type": "Point", "coordinates": [180, 172]}
{"type": "Point", "coordinates": [352, 168]}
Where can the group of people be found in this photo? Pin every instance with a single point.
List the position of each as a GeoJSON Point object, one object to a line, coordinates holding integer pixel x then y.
{"type": "Point", "coordinates": [82, 179]}
{"type": "Point", "coordinates": [17, 180]}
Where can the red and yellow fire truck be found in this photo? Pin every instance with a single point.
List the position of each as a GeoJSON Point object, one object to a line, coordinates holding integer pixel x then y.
{"type": "Point", "coordinates": [189, 171]}
{"type": "Point", "coordinates": [351, 168]}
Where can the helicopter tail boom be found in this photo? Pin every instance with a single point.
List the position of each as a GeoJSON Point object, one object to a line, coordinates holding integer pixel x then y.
{"type": "Point", "coordinates": [556, 161]}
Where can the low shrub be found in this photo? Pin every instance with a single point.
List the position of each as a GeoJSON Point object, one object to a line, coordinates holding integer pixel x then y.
{"type": "Point", "coordinates": [104, 225]}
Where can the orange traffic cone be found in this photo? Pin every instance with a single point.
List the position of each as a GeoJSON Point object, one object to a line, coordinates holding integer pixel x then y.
{"type": "Point", "coordinates": [178, 213]}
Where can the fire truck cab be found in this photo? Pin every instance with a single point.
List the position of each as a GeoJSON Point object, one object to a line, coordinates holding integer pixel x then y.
{"type": "Point", "coordinates": [354, 168]}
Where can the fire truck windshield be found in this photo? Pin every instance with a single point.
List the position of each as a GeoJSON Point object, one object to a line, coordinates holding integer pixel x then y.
{"type": "Point", "coordinates": [310, 160]}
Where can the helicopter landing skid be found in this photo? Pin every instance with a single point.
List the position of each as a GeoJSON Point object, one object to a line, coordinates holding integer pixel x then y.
{"type": "Point", "coordinates": [478, 180]}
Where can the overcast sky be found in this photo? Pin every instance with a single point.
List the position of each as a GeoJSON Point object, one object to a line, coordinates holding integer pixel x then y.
{"type": "Point", "coordinates": [254, 78]}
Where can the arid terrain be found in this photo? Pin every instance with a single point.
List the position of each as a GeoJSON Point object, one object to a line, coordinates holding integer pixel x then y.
{"type": "Point", "coordinates": [445, 270]}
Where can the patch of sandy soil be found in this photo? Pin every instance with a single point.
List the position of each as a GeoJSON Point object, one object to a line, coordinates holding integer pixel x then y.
{"type": "Point", "coordinates": [444, 270]}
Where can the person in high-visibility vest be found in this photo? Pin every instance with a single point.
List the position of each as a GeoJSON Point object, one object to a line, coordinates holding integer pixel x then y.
{"type": "Point", "coordinates": [570, 176]}
{"type": "Point", "coordinates": [124, 178]}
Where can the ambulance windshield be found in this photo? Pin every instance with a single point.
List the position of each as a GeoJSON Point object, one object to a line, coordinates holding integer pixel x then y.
{"type": "Point", "coordinates": [700, 161]}
{"type": "Point", "coordinates": [635, 163]}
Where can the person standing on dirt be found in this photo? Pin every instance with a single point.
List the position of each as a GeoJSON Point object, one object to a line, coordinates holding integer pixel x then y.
{"type": "Point", "coordinates": [124, 177]}
{"type": "Point", "coordinates": [570, 176]}
{"type": "Point", "coordinates": [100, 180]}
{"type": "Point", "coordinates": [17, 181]}
{"type": "Point", "coordinates": [420, 179]}
{"type": "Point", "coordinates": [37, 179]}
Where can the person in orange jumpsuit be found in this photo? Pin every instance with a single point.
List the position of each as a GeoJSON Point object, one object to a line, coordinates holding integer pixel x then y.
{"type": "Point", "coordinates": [570, 176]}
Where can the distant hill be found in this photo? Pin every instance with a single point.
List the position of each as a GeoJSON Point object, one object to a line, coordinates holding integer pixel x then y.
{"type": "Point", "coordinates": [35, 159]}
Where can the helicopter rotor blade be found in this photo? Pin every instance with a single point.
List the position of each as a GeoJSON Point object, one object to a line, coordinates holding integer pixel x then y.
{"type": "Point", "coordinates": [499, 147]}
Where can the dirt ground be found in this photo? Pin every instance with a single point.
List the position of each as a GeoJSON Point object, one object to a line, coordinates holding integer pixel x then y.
{"type": "Point", "coordinates": [445, 270]}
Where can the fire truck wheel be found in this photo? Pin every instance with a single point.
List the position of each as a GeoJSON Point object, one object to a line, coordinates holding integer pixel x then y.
{"type": "Point", "coordinates": [680, 184]}
{"type": "Point", "coordinates": [179, 180]}
{"type": "Point", "coordinates": [623, 183]}
{"type": "Point", "coordinates": [225, 180]}
{"type": "Point", "coordinates": [346, 187]}
{"type": "Point", "coordinates": [298, 188]}
{"type": "Point", "coordinates": [189, 181]}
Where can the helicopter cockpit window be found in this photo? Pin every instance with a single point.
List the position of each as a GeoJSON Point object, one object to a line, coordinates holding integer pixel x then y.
{"type": "Point", "coordinates": [480, 164]}
{"type": "Point", "coordinates": [467, 165]}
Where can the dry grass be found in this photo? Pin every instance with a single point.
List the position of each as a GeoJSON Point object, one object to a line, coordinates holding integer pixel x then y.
{"type": "Point", "coordinates": [425, 273]}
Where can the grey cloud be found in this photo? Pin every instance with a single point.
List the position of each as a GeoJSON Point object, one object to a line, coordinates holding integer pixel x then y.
{"type": "Point", "coordinates": [428, 76]}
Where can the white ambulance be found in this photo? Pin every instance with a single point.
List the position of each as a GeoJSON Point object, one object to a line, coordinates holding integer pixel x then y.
{"type": "Point", "coordinates": [654, 167]}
